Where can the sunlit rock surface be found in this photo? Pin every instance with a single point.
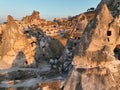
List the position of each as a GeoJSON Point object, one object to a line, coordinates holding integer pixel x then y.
{"type": "Point", "coordinates": [13, 42]}
{"type": "Point", "coordinates": [95, 65]}
{"type": "Point", "coordinates": [74, 53]}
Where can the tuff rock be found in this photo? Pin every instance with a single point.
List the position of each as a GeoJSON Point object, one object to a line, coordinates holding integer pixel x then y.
{"type": "Point", "coordinates": [74, 53]}
{"type": "Point", "coordinates": [113, 5]}
{"type": "Point", "coordinates": [95, 66]}
{"type": "Point", "coordinates": [13, 42]}
{"type": "Point", "coordinates": [32, 19]}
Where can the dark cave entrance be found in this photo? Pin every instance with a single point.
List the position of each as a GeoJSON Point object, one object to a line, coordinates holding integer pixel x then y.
{"type": "Point", "coordinates": [117, 51]}
{"type": "Point", "coordinates": [109, 33]}
{"type": "Point", "coordinates": [0, 38]}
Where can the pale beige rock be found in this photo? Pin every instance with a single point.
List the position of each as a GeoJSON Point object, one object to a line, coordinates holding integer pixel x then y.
{"type": "Point", "coordinates": [95, 64]}
{"type": "Point", "coordinates": [113, 6]}
{"type": "Point", "coordinates": [14, 41]}
{"type": "Point", "coordinates": [32, 19]}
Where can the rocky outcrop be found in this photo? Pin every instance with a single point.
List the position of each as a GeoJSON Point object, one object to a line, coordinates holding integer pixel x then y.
{"type": "Point", "coordinates": [13, 42]}
{"type": "Point", "coordinates": [32, 19]}
{"type": "Point", "coordinates": [46, 47]}
{"type": "Point", "coordinates": [63, 64]}
{"type": "Point", "coordinates": [2, 28]}
{"type": "Point", "coordinates": [95, 66]}
{"type": "Point", "coordinates": [80, 26]}
{"type": "Point", "coordinates": [10, 33]}
{"type": "Point", "coordinates": [89, 59]}
{"type": "Point", "coordinates": [35, 45]}
{"type": "Point", "coordinates": [113, 5]}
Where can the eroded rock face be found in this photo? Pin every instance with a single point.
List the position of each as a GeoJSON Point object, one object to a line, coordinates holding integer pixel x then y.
{"type": "Point", "coordinates": [95, 58]}
{"type": "Point", "coordinates": [113, 5]}
{"type": "Point", "coordinates": [13, 42]}
{"type": "Point", "coordinates": [30, 40]}
{"type": "Point", "coordinates": [91, 57]}
{"type": "Point", "coordinates": [32, 19]}
{"type": "Point", "coordinates": [80, 26]}
{"type": "Point", "coordinates": [96, 37]}
{"type": "Point", "coordinates": [46, 47]}
{"type": "Point", "coordinates": [2, 28]}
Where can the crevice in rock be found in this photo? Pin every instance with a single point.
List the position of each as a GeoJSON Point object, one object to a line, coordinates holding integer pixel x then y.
{"type": "Point", "coordinates": [108, 39]}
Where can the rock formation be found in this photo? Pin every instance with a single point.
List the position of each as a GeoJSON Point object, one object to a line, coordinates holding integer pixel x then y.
{"type": "Point", "coordinates": [79, 27]}
{"type": "Point", "coordinates": [75, 53]}
{"type": "Point", "coordinates": [95, 66]}
{"type": "Point", "coordinates": [32, 19]}
{"type": "Point", "coordinates": [30, 39]}
{"type": "Point", "coordinates": [45, 46]}
{"type": "Point", "coordinates": [113, 5]}
{"type": "Point", "coordinates": [14, 41]}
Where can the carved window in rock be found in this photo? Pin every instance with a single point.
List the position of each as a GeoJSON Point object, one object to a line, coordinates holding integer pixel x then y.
{"type": "Point", "coordinates": [109, 33]}
{"type": "Point", "coordinates": [77, 29]}
{"type": "Point", "coordinates": [117, 51]}
{"type": "Point", "coordinates": [0, 36]}
{"type": "Point", "coordinates": [54, 26]}
{"type": "Point", "coordinates": [75, 38]}
{"type": "Point", "coordinates": [78, 38]}
{"type": "Point", "coordinates": [75, 43]}
{"type": "Point", "coordinates": [43, 55]}
{"type": "Point", "coordinates": [119, 31]}
{"type": "Point", "coordinates": [26, 62]}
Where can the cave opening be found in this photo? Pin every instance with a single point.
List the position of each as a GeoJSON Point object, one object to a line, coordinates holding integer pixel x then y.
{"type": "Point", "coordinates": [77, 29]}
{"type": "Point", "coordinates": [0, 37]}
{"type": "Point", "coordinates": [117, 52]}
{"type": "Point", "coordinates": [75, 38]}
{"type": "Point", "coordinates": [109, 33]}
{"type": "Point", "coordinates": [32, 43]}
{"type": "Point", "coordinates": [26, 62]}
{"type": "Point", "coordinates": [78, 38]}
{"type": "Point", "coordinates": [75, 44]}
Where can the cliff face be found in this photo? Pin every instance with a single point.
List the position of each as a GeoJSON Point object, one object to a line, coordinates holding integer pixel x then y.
{"type": "Point", "coordinates": [95, 66]}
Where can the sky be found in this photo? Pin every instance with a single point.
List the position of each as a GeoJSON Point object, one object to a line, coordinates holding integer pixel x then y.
{"type": "Point", "coordinates": [48, 9]}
